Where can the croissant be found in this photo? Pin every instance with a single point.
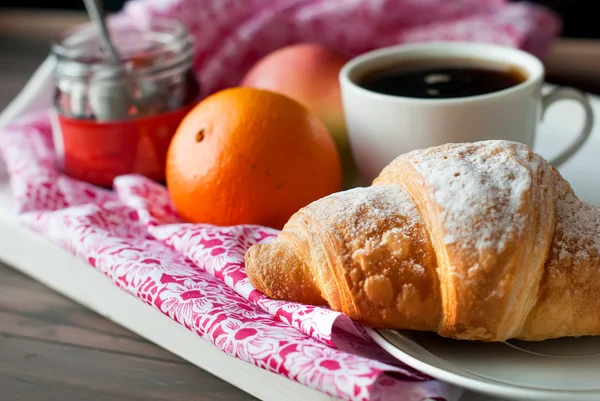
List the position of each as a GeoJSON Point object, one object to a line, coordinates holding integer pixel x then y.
{"type": "Point", "coordinates": [478, 241]}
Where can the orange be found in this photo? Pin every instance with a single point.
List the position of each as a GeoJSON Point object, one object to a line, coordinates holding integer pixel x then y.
{"type": "Point", "coordinates": [250, 156]}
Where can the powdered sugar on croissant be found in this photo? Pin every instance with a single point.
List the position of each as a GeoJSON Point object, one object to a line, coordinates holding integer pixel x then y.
{"type": "Point", "coordinates": [479, 241]}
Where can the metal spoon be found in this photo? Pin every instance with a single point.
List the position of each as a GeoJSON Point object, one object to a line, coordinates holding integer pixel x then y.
{"type": "Point", "coordinates": [109, 94]}
{"type": "Point", "coordinates": [95, 10]}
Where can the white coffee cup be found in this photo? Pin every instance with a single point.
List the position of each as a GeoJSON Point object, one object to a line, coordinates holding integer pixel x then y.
{"type": "Point", "coordinates": [381, 127]}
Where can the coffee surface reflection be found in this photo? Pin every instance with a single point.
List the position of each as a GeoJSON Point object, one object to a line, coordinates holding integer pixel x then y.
{"type": "Point", "coordinates": [442, 79]}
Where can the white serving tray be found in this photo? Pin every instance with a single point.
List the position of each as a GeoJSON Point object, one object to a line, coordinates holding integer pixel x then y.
{"type": "Point", "coordinates": [76, 280]}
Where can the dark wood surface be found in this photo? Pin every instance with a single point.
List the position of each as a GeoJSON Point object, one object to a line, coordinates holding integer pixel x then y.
{"type": "Point", "coordinates": [54, 349]}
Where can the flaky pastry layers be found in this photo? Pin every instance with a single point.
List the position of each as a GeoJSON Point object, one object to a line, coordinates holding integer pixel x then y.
{"type": "Point", "coordinates": [479, 241]}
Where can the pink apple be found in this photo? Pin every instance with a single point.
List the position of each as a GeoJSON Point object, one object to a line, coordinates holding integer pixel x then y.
{"type": "Point", "coordinates": [309, 73]}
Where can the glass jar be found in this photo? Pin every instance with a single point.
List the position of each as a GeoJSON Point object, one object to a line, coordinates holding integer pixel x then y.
{"type": "Point", "coordinates": [113, 118]}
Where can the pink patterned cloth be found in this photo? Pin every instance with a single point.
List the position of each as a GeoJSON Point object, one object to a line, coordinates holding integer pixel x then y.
{"type": "Point", "coordinates": [194, 274]}
{"type": "Point", "coordinates": [231, 35]}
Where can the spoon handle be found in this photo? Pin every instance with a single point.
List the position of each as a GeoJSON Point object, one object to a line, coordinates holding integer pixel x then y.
{"type": "Point", "coordinates": [95, 9]}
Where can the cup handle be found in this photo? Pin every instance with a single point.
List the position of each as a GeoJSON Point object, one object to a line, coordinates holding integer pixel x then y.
{"type": "Point", "coordinates": [571, 94]}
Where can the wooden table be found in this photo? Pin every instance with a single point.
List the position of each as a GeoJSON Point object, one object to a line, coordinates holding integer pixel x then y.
{"type": "Point", "coordinates": [54, 349]}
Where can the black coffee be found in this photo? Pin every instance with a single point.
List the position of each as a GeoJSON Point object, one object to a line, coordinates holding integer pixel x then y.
{"type": "Point", "coordinates": [442, 79]}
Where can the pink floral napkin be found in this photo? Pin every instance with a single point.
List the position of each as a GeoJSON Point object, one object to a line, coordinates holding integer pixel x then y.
{"type": "Point", "coordinates": [231, 35]}
{"type": "Point", "coordinates": [194, 274]}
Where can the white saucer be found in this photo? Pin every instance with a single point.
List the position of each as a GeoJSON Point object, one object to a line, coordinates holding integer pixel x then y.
{"type": "Point", "coordinates": [554, 370]}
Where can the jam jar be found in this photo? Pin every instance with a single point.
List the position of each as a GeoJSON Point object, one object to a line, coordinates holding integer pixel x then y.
{"type": "Point", "coordinates": [114, 117]}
